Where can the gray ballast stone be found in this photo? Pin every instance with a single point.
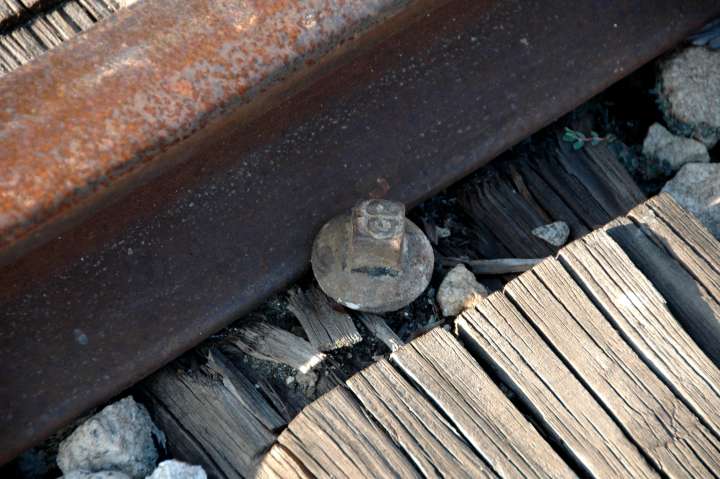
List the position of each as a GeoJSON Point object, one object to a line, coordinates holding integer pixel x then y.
{"type": "Point", "coordinates": [669, 152]}
{"type": "Point", "coordinates": [689, 93]}
{"type": "Point", "coordinates": [173, 469]}
{"type": "Point", "coordinates": [696, 188]}
{"type": "Point", "coordinates": [554, 233]}
{"type": "Point", "coordinates": [459, 290]}
{"type": "Point", "coordinates": [118, 438]}
{"type": "Point", "coordinates": [96, 475]}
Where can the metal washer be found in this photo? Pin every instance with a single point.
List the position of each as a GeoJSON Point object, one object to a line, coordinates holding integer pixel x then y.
{"type": "Point", "coordinates": [375, 293]}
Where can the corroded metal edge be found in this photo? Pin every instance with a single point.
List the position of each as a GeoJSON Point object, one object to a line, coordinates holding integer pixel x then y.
{"type": "Point", "coordinates": [96, 110]}
{"type": "Point", "coordinates": [97, 309]}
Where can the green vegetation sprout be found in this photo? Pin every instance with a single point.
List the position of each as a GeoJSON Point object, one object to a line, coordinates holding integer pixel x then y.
{"type": "Point", "coordinates": [579, 139]}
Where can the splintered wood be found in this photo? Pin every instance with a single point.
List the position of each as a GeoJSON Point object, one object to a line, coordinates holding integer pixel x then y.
{"type": "Point", "coordinates": [244, 391]}
{"type": "Point", "coordinates": [220, 422]}
{"type": "Point", "coordinates": [326, 328]}
{"type": "Point", "coordinates": [682, 259]}
{"type": "Point", "coordinates": [379, 328]}
{"type": "Point", "coordinates": [33, 27]}
{"type": "Point", "coordinates": [263, 341]}
{"type": "Point", "coordinates": [584, 188]}
{"type": "Point", "coordinates": [278, 463]}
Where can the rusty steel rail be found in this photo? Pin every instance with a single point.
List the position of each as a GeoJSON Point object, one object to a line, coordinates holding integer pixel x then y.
{"type": "Point", "coordinates": [168, 170]}
{"type": "Point", "coordinates": [86, 123]}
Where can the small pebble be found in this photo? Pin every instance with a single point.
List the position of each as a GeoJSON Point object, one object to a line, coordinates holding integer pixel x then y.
{"type": "Point", "coordinates": [696, 187]}
{"type": "Point", "coordinates": [173, 469]}
{"type": "Point", "coordinates": [96, 475]}
{"type": "Point", "coordinates": [118, 438]}
{"type": "Point", "coordinates": [689, 89]}
{"type": "Point", "coordinates": [554, 233]}
{"type": "Point", "coordinates": [459, 290]}
{"type": "Point", "coordinates": [442, 232]}
{"type": "Point", "coordinates": [669, 152]}
{"type": "Point", "coordinates": [289, 380]}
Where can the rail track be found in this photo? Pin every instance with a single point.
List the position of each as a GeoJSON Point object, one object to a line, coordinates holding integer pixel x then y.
{"type": "Point", "coordinates": [139, 228]}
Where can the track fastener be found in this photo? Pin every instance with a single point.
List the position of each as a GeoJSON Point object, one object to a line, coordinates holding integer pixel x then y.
{"type": "Point", "coordinates": [372, 259]}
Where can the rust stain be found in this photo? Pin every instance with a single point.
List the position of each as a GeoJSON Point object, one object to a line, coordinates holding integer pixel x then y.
{"type": "Point", "coordinates": [91, 111]}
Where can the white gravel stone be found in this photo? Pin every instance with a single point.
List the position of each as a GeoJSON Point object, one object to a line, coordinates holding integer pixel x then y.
{"type": "Point", "coordinates": [118, 438]}
{"type": "Point", "coordinates": [696, 188]}
{"type": "Point", "coordinates": [459, 290]}
{"type": "Point", "coordinates": [173, 469]}
{"type": "Point", "coordinates": [96, 475]}
{"type": "Point", "coordinates": [554, 233]}
{"type": "Point", "coordinates": [690, 93]}
{"type": "Point", "coordinates": [671, 152]}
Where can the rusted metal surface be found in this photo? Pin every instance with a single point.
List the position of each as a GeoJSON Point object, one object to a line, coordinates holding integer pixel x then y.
{"type": "Point", "coordinates": [94, 111]}
{"type": "Point", "coordinates": [95, 310]}
{"type": "Point", "coordinates": [372, 259]}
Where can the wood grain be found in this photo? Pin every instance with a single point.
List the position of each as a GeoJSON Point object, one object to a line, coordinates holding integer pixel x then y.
{"type": "Point", "coordinates": [446, 372]}
{"type": "Point", "coordinates": [493, 202]}
{"type": "Point", "coordinates": [414, 424]}
{"type": "Point", "coordinates": [244, 391]}
{"type": "Point", "coordinates": [598, 169]}
{"type": "Point", "coordinates": [334, 437]}
{"type": "Point", "coordinates": [638, 311]}
{"type": "Point", "coordinates": [497, 332]}
{"type": "Point", "coordinates": [662, 426]}
{"type": "Point", "coordinates": [551, 202]}
{"type": "Point", "coordinates": [278, 463]}
{"type": "Point", "coordinates": [691, 303]}
{"type": "Point", "coordinates": [270, 343]}
{"type": "Point", "coordinates": [41, 26]}
{"type": "Point", "coordinates": [684, 238]}
{"type": "Point", "coordinates": [206, 416]}
{"type": "Point", "coordinates": [326, 328]}
{"type": "Point", "coordinates": [379, 328]}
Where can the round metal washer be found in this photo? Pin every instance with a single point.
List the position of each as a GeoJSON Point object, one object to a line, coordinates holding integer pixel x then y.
{"type": "Point", "coordinates": [375, 292]}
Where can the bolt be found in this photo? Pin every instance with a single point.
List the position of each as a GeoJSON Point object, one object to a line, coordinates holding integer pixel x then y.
{"type": "Point", "coordinates": [372, 258]}
{"type": "Point", "coordinates": [376, 241]}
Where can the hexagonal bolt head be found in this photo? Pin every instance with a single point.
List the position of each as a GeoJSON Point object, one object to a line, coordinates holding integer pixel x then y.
{"type": "Point", "coordinates": [377, 237]}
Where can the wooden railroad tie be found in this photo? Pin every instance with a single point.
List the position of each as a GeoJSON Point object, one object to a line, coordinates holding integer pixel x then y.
{"type": "Point", "coordinates": [601, 362]}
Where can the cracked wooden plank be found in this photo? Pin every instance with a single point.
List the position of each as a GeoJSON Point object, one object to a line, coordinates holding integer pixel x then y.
{"type": "Point", "coordinates": [207, 416]}
{"type": "Point", "coordinates": [10, 9]}
{"type": "Point", "coordinates": [497, 332]}
{"type": "Point", "coordinates": [549, 200]}
{"type": "Point", "coordinates": [446, 372]}
{"type": "Point", "coordinates": [326, 328]}
{"type": "Point", "coordinates": [683, 237]}
{"type": "Point", "coordinates": [244, 391]}
{"type": "Point", "coordinates": [415, 425]}
{"type": "Point", "coordinates": [334, 437]}
{"type": "Point", "coordinates": [492, 201]}
{"type": "Point", "coordinates": [378, 327]}
{"type": "Point", "coordinates": [640, 313]}
{"type": "Point", "coordinates": [664, 428]}
{"type": "Point", "coordinates": [278, 463]}
{"type": "Point", "coordinates": [40, 26]}
{"type": "Point", "coordinates": [691, 303]}
{"type": "Point", "coordinates": [269, 343]}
